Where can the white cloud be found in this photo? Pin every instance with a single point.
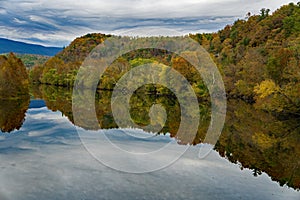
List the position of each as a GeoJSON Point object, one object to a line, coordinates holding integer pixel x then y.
{"type": "Point", "coordinates": [18, 21]}
{"type": "Point", "coordinates": [58, 22]}
{"type": "Point", "coordinates": [43, 20]}
{"type": "Point", "coordinates": [55, 165]}
{"type": "Point", "coordinates": [2, 11]}
{"type": "Point", "coordinates": [62, 169]}
{"type": "Point", "coordinates": [151, 8]}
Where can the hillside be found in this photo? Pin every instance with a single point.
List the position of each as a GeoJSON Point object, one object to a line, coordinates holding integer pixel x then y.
{"type": "Point", "coordinates": [62, 68]}
{"type": "Point", "coordinates": [31, 60]}
{"type": "Point", "coordinates": [259, 58]}
{"type": "Point", "coordinates": [7, 46]}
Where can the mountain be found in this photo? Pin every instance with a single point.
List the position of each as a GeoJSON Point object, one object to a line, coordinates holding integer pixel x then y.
{"type": "Point", "coordinates": [7, 46]}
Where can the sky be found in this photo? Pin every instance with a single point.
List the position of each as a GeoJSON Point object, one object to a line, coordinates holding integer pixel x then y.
{"type": "Point", "coordinates": [58, 22]}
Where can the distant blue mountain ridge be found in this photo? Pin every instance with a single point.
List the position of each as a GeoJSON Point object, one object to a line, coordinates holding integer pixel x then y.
{"type": "Point", "coordinates": [7, 46]}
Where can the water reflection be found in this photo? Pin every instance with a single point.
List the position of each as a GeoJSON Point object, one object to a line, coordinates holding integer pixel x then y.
{"type": "Point", "coordinates": [252, 138]}
{"type": "Point", "coordinates": [59, 98]}
{"type": "Point", "coordinates": [261, 142]}
{"type": "Point", "coordinates": [12, 113]}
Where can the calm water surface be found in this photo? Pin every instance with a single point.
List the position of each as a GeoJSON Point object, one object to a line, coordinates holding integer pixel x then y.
{"type": "Point", "coordinates": [42, 156]}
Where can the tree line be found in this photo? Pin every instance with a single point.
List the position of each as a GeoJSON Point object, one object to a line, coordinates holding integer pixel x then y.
{"type": "Point", "coordinates": [258, 57]}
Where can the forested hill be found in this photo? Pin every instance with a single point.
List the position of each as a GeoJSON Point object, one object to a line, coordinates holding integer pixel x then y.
{"type": "Point", "coordinates": [7, 46]}
{"type": "Point", "coordinates": [259, 58]}
{"type": "Point", "coordinates": [62, 68]}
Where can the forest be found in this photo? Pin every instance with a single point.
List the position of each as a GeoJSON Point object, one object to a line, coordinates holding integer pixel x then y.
{"type": "Point", "coordinates": [258, 57]}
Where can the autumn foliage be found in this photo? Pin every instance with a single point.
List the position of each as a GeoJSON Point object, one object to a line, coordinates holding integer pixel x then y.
{"type": "Point", "coordinates": [259, 57]}
{"type": "Point", "coordinates": [253, 54]}
{"type": "Point", "coordinates": [13, 77]}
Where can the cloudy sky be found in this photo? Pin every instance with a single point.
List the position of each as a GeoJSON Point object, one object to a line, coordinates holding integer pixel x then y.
{"type": "Point", "coordinates": [57, 22]}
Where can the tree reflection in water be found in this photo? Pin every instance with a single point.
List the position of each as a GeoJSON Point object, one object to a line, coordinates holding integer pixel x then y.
{"type": "Point", "coordinates": [260, 141]}
{"type": "Point", "coordinates": [12, 113]}
{"type": "Point", "coordinates": [252, 138]}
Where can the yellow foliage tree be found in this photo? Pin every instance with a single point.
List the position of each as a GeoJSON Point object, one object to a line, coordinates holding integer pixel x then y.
{"type": "Point", "coordinates": [266, 88]}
